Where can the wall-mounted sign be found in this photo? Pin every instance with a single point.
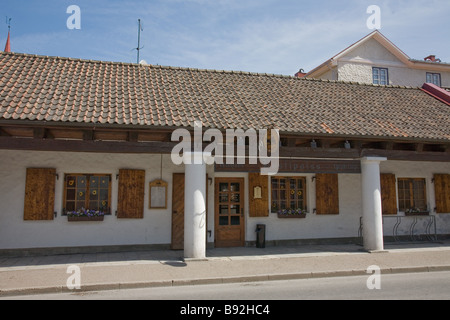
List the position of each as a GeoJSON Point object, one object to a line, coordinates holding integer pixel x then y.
{"type": "Point", "coordinates": [298, 166]}
{"type": "Point", "coordinates": [158, 195]}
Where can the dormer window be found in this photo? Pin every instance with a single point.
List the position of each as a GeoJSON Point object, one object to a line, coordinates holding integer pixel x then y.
{"type": "Point", "coordinates": [434, 78]}
{"type": "Point", "coordinates": [380, 76]}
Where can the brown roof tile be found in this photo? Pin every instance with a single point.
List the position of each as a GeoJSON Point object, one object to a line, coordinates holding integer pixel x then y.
{"type": "Point", "coordinates": [40, 88]}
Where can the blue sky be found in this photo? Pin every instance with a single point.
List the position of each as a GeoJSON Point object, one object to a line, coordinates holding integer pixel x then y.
{"type": "Point", "coordinates": [268, 36]}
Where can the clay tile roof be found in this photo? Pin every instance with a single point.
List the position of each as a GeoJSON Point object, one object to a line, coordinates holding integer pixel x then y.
{"type": "Point", "coordinates": [73, 91]}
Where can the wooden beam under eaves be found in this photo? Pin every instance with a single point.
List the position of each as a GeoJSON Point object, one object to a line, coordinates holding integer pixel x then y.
{"type": "Point", "coordinates": [88, 135]}
{"type": "Point", "coordinates": [3, 133]}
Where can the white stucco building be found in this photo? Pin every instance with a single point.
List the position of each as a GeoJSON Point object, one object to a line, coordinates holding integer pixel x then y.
{"type": "Point", "coordinates": [357, 162]}
{"type": "Point", "coordinates": [376, 60]}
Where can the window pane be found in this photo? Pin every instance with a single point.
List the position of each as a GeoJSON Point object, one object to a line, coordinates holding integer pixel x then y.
{"type": "Point", "coordinates": [70, 194]}
{"type": "Point", "coordinates": [234, 186]}
{"type": "Point", "coordinates": [235, 197]}
{"type": "Point", "coordinates": [81, 194]}
{"type": "Point", "coordinates": [104, 182]}
{"type": "Point", "coordinates": [81, 181]}
{"type": "Point", "coordinates": [437, 79]}
{"type": "Point", "coordinates": [234, 209]}
{"type": "Point", "coordinates": [70, 206]}
{"type": "Point", "coordinates": [223, 221]}
{"type": "Point", "coordinates": [93, 182]}
{"type": "Point", "coordinates": [223, 209]}
{"type": "Point", "coordinates": [104, 194]}
{"type": "Point", "coordinates": [223, 197]}
{"type": "Point", "coordinates": [274, 183]}
{"type": "Point", "coordinates": [71, 182]}
{"type": "Point", "coordinates": [375, 76]}
{"type": "Point", "coordinates": [235, 220]}
{"type": "Point", "coordinates": [93, 205]}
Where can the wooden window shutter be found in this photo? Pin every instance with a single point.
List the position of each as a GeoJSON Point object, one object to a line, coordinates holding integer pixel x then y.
{"type": "Point", "coordinates": [130, 200]}
{"type": "Point", "coordinates": [327, 193]}
{"type": "Point", "coordinates": [258, 195]}
{"type": "Point", "coordinates": [388, 194]}
{"type": "Point", "coordinates": [442, 192]}
{"type": "Point", "coordinates": [39, 194]}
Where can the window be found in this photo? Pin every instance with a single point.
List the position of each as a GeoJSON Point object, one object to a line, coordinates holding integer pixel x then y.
{"type": "Point", "coordinates": [380, 76]}
{"type": "Point", "coordinates": [412, 194]}
{"type": "Point", "coordinates": [288, 193]}
{"type": "Point", "coordinates": [89, 191]}
{"type": "Point", "coordinates": [434, 78]}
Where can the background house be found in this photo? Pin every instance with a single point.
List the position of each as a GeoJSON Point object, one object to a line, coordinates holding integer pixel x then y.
{"type": "Point", "coordinates": [376, 60]}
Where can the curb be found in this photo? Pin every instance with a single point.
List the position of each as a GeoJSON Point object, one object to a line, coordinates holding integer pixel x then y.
{"type": "Point", "coordinates": [227, 280]}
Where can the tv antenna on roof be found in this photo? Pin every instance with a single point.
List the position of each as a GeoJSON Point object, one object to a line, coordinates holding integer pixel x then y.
{"type": "Point", "coordinates": [140, 28]}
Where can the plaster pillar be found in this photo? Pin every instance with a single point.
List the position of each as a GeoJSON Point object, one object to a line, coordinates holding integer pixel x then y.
{"type": "Point", "coordinates": [371, 203]}
{"type": "Point", "coordinates": [195, 206]}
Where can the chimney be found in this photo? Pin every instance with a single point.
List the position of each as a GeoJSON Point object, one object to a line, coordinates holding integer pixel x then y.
{"type": "Point", "coordinates": [432, 58]}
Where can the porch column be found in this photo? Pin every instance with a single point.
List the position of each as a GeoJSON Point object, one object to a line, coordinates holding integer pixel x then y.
{"type": "Point", "coordinates": [195, 206]}
{"type": "Point", "coordinates": [371, 203]}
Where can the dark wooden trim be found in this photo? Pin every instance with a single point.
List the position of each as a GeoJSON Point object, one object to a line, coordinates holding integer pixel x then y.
{"type": "Point", "coordinates": [85, 145]}
{"type": "Point", "coordinates": [166, 147]}
{"type": "Point", "coordinates": [3, 133]}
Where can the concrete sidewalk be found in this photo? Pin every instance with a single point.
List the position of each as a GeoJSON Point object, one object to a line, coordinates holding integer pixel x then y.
{"type": "Point", "coordinates": [106, 271]}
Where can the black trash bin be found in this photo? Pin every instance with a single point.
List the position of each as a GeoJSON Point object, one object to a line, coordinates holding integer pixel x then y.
{"type": "Point", "coordinates": [261, 236]}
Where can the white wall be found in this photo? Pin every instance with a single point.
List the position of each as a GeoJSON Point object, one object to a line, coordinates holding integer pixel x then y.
{"type": "Point", "coordinates": [357, 65]}
{"type": "Point", "coordinates": [344, 225]}
{"type": "Point", "coordinates": [404, 169]}
{"type": "Point", "coordinates": [155, 228]}
{"type": "Point", "coordinates": [398, 74]}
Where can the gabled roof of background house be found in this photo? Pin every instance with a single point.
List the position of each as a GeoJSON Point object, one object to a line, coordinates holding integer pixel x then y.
{"type": "Point", "coordinates": [79, 92]}
{"type": "Point", "coordinates": [388, 45]}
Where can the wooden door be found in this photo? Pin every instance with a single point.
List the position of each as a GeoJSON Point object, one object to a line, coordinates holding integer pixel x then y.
{"type": "Point", "coordinates": [178, 211]}
{"type": "Point", "coordinates": [229, 212]}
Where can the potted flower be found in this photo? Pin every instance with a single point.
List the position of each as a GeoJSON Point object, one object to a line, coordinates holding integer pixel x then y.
{"type": "Point", "coordinates": [292, 213]}
{"type": "Point", "coordinates": [85, 215]}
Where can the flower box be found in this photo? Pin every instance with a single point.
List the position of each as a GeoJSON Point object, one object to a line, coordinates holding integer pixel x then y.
{"type": "Point", "coordinates": [417, 213]}
{"type": "Point", "coordinates": [72, 219]}
{"type": "Point", "coordinates": [291, 213]}
{"type": "Point", "coordinates": [85, 215]}
{"type": "Point", "coordinates": [291, 216]}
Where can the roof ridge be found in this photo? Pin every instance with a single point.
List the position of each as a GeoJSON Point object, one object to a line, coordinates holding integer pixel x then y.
{"type": "Point", "coordinates": [147, 65]}
{"type": "Point", "coordinates": [66, 58]}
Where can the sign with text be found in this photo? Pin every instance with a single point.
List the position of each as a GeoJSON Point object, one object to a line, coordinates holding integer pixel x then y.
{"type": "Point", "coordinates": [298, 166]}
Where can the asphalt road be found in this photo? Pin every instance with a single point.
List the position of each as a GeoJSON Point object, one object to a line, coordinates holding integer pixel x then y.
{"type": "Point", "coordinates": [412, 286]}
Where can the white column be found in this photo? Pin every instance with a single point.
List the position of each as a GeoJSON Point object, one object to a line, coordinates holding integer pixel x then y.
{"type": "Point", "coordinates": [371, 204]}
{"type": "Point", "coordinates": [195, 206]}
